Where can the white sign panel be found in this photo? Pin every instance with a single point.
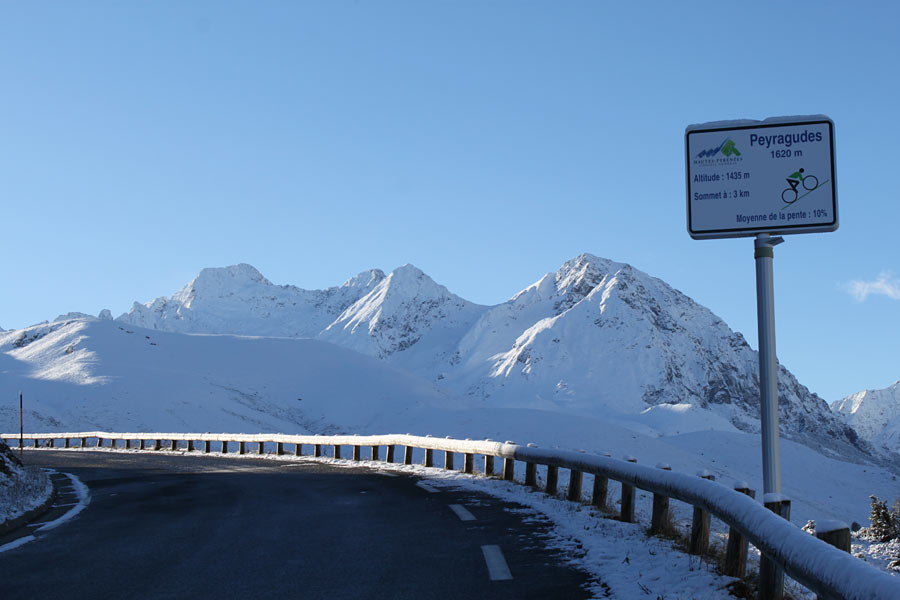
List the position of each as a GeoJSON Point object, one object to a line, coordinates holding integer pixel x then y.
{"type": "Point", "coordinates": [748, 177]}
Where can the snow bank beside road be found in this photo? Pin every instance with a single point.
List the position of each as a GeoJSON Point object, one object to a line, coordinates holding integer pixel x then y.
{"type": "Point", "coordinates": [21, 488]}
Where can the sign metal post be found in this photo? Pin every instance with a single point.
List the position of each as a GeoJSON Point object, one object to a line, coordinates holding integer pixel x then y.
{"type": "Point", "coordinates": [762, 179]}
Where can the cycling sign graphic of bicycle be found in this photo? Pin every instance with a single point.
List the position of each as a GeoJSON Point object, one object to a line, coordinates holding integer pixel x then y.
{"type": "Point", "coordinates": [799, 182]}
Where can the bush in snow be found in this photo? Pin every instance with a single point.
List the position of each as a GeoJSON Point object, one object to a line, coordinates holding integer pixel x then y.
{"type": "Point", "coordinates": [885, 522]}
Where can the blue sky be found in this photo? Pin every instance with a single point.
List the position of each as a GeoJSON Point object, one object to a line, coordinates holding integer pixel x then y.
{"type": "Point", "coordinates": [484, 142]}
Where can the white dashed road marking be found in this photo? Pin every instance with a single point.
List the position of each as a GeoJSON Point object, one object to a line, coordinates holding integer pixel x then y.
{"type": "Point", "coordinates": [462, 513]}
{"type": "Point", "coordinates": [427, 488]}
{"type": "Point", "coordinates": [496, 564]}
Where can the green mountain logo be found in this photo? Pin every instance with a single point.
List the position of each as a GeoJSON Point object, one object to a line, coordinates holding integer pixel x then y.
{"type": "Point", "coordinates": [729, 149]}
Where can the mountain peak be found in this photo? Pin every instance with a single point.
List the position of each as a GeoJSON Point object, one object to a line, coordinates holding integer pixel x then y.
{"type": "Point", "coordinates": [365, 279]}
{"type": "Point", "coordinates": [235, 273]}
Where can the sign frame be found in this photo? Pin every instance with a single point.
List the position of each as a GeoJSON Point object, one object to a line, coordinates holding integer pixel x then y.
{"type": "Point", "coordinates": [750, 229]}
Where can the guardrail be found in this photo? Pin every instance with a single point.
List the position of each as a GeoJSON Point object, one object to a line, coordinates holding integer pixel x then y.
{"type": "Point", "coordinates": [829, 571]}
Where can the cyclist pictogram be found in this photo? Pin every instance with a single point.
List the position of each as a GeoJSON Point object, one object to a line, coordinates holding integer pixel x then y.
{"type": "Point", "coordinates": [796, 181]}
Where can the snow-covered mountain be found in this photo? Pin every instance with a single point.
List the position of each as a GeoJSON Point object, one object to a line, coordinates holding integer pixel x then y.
{"type": "Point", "coordinates": [406, 318]}
{"type": "Point", "coordinates": [239, 300]}
{"type": "Point", "coordinates": [596, 339]}
{"type": "Point", "coordinates": [874, 414]}
{"type": "Point", "coordinates": [603, 338]}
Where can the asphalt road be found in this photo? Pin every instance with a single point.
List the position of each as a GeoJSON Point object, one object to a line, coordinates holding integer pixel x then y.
{"type": "Point", "coordinates": [161, 526]}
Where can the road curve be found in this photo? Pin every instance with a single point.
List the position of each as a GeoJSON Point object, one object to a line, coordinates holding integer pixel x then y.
{"type": "Point", "coordinates": [162, 526]}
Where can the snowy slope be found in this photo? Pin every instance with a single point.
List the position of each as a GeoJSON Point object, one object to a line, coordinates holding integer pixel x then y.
{"type": "Point", "coordinates": [101, 374]}
{"type": "Point", "coordinates": [874, 414]}
{"type": "Point", "coordinates": [239, 300]}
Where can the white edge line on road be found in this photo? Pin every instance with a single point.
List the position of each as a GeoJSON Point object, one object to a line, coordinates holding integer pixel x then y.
{"type": "Point", "coordinates": [496, 564]}
{"type": "Point", "coordinates": [84, 498]}
{"type": "Point", "coordinates": [462, 512]}
{"type": "Point", "coordinates": [428, 488]}
{"type": "Point", "coordinates": [15, 544]}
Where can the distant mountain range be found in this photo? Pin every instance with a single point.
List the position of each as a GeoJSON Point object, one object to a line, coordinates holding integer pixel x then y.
{"type": "Point", "coordinates": [596, 338]}
{"type": "Point", "coordinates": [874, 414]}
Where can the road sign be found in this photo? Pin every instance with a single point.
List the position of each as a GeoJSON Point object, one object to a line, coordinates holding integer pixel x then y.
{"type": "Point", "coordinates": [749, 177]}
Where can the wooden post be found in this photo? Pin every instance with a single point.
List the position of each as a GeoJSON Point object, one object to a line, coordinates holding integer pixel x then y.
{"type": "Point", "coordinates": [771, 575]}
{"type": "Point", "coordinates": [601, 487]}
{"type": "Point", "coordinates": [626, 513]}
{"type": "Point", "coordinates": [279, 449]}
{"type": "Point", "coordinates": [509, 469]}
{"type": "Point", "coordinates": [488, 465]}
{"type": "Point", "coordinates": [552, 479]}
{"type": "Point", "coordinates": [448, 460]}
{"type": "Point", "coordinates": [575, 478]}
{"type": "Point", "coordinates": [127, 444]}
{"type": "Point", "coordinates": [242, 448]}
{"type": "Point", "coordinates": [141, 443]}
{"type": "Point", "coordinates": [408, 455]}
{"type": "Point", "coordinates": [224, 446]}
{"type": "Point", "coordinates": [174, 445]}
{"type": "Point", "coordinates": [835, 533]}
{"type": "Point", "coordinates": [700, 526]}
{"type": "Point", "coordinates": [206, 446]}
{"type": "Point", "coordinates": [839, 538]}
{"type": "Point", "coordinates": [337, 451]}
{"type": "Point", "coordinates": [429, 457]}
{"type": "Point", "coordinates": [52, 441]}
{"type": "Point", "coordinates": [156, 444]}
{"type": "Point", "coordinates": [84, 443]}
{"type": "Point", "coordinates": [67, 442]}
{"type": "Point", "coordinates": [298, 449]}
{"type": "Point", "coordinates": [469, 463]}
{"type": "Point", "coordinates": [389, 458]}
{"type": "Point", "coordinates": [356, 453]}
{"type": "Point", "coordinates": [317, 450]}
{"type": "Point", "coordinates": [375, 452]}
{"type": "Point", "coordinates": [659, 517]}
{"type": "Point", "coordinates": [99, 443]}
{"type": "Point", "coordinates": [736, 553]}
{"type": "Point", "coordinates": [190, 445]}
{"type": "Point", "coordinates": [260, 447]}
{"type": "Point", "coordinates": [531, 474]}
